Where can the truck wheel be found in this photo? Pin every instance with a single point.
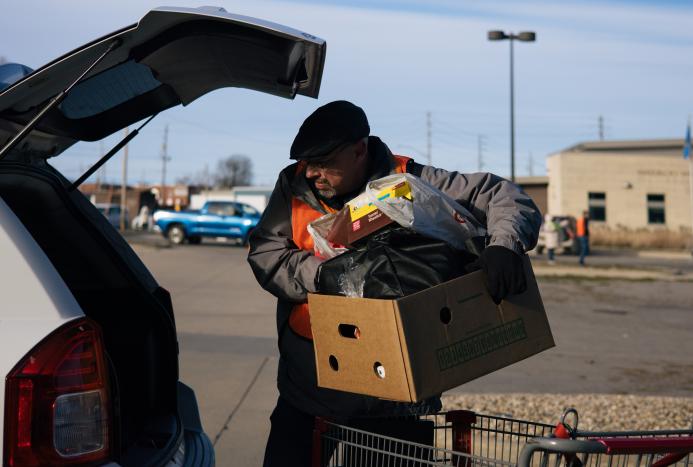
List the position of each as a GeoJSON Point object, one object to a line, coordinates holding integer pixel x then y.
{"type": "Point", "coordinates": [176, 234]}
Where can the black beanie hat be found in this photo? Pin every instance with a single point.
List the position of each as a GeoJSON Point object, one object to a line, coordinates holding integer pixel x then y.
{"type": "Point", "coordinates": [330, 126]}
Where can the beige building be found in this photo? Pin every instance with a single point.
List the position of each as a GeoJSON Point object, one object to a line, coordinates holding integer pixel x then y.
{"type": "Point", "coordinates": [632, 184]}
{"type": "Point", "coordinates": [537, 189]}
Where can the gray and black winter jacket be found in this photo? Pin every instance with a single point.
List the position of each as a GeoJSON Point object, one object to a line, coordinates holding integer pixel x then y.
{"type": "Point", "coordinates": [289, 273]}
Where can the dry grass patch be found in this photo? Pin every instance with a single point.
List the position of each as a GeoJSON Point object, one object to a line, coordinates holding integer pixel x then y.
{"type": "Point", "coordinates": [642, 238]}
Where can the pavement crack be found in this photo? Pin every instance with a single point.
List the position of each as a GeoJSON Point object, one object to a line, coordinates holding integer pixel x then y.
{"type": "Point", "coordinates": [240, 401]}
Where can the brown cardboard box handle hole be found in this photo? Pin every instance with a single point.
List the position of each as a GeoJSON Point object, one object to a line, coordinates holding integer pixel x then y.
{"type": "Point", "coordinates": [379, 370]}
{"type": "Point", "coordinates": [445, 315]}
{"type": "Point", "coordinates": [349, 330]}
{"type": "Point", "coordinates": [334, 364]}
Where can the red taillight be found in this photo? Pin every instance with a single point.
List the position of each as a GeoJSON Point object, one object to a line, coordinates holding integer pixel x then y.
{"type": "Point", "coordinates": [26, 388]}
{"type": "Point", "coordinates": [57, 404]}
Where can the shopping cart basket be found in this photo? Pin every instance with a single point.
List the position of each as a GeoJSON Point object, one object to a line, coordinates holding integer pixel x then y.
{"type": "Point", "coordinates": [467, 439]}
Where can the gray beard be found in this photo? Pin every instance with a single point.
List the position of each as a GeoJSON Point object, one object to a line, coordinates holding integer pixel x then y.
{"type": "Point", "coordinates": [328, 193]}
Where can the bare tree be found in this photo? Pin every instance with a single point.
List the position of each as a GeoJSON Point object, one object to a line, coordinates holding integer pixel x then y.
{"type": "Point", "coordinates": [235, 170]}
{"type": "Point", "coordinates": [186, 180]}
{"type": "Point", "coordinates": [200, 178]}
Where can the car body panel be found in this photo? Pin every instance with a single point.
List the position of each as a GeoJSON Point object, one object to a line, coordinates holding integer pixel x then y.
{"type": "Point", "coordinates": [171, 56]}
{"type": "Point", "coordinates": [36, 301]}
{"type": "Point", "coordinates": [207, 223]}
{"type": "Point", "coordinates": [32, 288]}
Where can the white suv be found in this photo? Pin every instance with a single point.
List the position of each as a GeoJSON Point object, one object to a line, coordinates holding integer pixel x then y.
{"type": "Point", "coordinates": [88, 349]}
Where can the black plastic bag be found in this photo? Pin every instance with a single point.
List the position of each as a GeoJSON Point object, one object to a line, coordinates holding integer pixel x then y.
{"type": "Point", "coordinates": [394, 263]}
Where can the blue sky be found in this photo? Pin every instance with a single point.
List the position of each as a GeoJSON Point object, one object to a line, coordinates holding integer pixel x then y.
{"type": "Point", "coordinates": [629, 61]}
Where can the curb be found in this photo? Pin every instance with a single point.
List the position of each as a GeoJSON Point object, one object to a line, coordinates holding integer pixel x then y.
{"type": "Point", "coordinates": [678, 255]}
{"type": "Point", "coordinates": [575, 272]}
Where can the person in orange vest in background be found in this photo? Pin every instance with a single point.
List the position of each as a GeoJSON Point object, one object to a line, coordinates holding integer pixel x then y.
{"type": "Point", "coordinates": [583, 235]}
{"type": "Point", "coordinates": [336, 157]}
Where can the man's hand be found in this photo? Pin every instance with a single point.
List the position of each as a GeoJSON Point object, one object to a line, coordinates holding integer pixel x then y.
{"type": "Point", "coordinates": [505, 273]}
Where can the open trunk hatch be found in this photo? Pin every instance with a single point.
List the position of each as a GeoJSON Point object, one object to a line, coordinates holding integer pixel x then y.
{"type": "Point", "coordinates": [171, 56]}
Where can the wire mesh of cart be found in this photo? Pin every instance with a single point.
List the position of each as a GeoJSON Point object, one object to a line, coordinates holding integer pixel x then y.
{"type": "Point", "coordinates": [465, 439]}
{"type": "Point", "coordinates": [573, 448]}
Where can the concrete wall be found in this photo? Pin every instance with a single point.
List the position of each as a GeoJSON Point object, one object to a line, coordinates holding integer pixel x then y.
{"type": "Point", "coordinates": [626, 180]}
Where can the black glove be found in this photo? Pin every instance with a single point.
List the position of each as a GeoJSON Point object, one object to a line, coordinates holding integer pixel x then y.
{"type": "Point", "coordinates": [505, 274]}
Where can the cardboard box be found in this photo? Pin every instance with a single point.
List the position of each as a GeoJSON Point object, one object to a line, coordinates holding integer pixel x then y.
{"type": "Point", "coordinates": [426, 343]}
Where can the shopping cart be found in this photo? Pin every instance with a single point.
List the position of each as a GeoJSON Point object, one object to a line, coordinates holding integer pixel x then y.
{"type": "Point", "coordinates": [467, 439]}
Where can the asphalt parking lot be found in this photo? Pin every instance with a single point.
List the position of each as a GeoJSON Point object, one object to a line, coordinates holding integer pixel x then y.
{"type": "Point", "coordinates": [612, 336]}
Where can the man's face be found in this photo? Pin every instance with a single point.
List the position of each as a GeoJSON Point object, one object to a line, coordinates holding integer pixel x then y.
{"type": "Point", "coordinates": [340, 172]}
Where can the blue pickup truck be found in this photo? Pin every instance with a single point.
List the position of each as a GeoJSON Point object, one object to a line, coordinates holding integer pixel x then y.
{"type": "Point", "coordinates": [216, 219]}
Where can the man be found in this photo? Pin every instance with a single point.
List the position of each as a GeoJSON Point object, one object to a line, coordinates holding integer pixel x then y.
{"type": "Point", "coordinates": [336, 158]}
{"type": "Point", "coordinates": [583, 235]}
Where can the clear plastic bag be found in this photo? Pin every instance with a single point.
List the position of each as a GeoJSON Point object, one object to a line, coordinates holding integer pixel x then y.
{"type": "Point", "coordinates": [431, 212]}
{"type": "Point", "coordinates": [318, 229]}
{"type": "Point", "coordinates": [352, 281]}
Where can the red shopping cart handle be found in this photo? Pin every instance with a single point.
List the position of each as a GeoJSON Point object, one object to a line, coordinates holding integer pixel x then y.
{"type": "Point", "coordinates": [647, 445]}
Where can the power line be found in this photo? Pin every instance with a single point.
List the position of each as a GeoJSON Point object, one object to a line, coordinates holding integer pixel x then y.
{"type": "Point", "coordinates": [480, 152]}
{"type": "Point", "coordinates": [164, 160]}
{"type": "Point", "coordinates": [101, 174]}
{"type": "Point", "coordinates": [601, 128]}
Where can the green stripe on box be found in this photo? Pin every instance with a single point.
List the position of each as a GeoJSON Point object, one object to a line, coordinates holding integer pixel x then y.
{"type": "Point", "coordinates": [481, 344]}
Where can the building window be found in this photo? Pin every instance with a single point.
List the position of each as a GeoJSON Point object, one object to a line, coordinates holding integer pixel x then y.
{"type": "Point", "coordinates": [655, 209]}
{"type": "Point", "coordinates": [596, 202]}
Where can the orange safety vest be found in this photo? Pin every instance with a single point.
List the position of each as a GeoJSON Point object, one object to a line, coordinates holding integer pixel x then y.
{"type": "Point", "coordinates": [580, 227]}
{"type": "Point", "coordinates": [301, 215]}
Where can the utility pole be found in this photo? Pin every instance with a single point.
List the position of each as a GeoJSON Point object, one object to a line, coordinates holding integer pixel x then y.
{"type": "Point", "coordinates": [124, 184]}
{"type": "Point", "coordinates": [164, 160]}
{"type": "Point", "coordinates": [99, 172]}
{"type": "Point", "coordinates": [206, 175]}
{"type": "Point", "coordinates": [687, 153]}
{"type": "Point", "coordinates": [530, 164]}
{"type": "Point", "coordinates": [429, 156]}
{"type": "Point", "coordinates": [601, 128]}
{"type": "Point", "coordinates": [480, 153]}
{"type": "Point", "coordinates": [103, 167]}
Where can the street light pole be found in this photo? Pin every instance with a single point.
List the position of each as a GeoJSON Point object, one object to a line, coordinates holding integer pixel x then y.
{"type": "Point", "coordinates": [512, 111]}
{"type": "Point", "coordinates": [526, 36]}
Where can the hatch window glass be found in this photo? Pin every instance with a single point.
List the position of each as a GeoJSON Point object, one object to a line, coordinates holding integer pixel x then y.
{"type": "Point", "coordinates": [108, 89]}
